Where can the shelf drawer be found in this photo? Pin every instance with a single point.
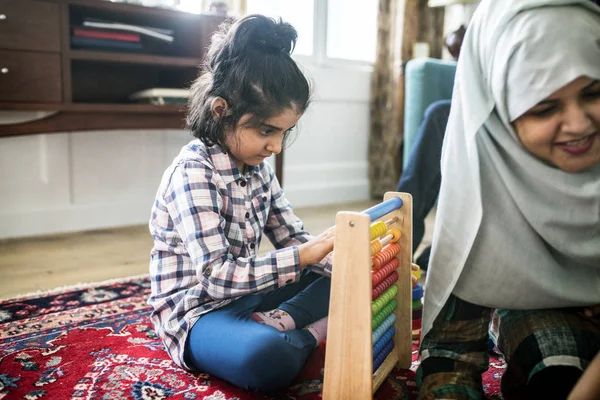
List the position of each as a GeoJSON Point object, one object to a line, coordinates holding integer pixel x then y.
{"type": "Point", "coordinates": [30, 77]}
{"type": "Point", "coordinates": [29, 25]}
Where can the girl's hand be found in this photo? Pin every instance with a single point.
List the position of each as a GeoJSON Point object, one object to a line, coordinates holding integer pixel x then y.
{"type": "Point", "coordinates": [317, 248]}
{"type": "Point", "coordinates": [591, 311]}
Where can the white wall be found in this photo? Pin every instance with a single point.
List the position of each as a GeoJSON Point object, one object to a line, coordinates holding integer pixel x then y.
{"type": "Point", "coordinates": [89, 180]}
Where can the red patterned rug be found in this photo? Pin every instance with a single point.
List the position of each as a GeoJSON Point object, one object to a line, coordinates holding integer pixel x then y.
{"type": "Point", "coordinates": [95, 341]}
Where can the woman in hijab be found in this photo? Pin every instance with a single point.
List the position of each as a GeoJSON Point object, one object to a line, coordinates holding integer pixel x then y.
{"type": "Point", "coordinates": [517, 234]}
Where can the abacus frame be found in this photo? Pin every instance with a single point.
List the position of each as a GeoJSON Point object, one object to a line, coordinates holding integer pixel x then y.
{"type": "Point", "coordinates": [348, 359]}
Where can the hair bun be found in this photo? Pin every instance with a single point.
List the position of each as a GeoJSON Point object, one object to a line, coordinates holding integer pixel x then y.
{"type": "Point", "coordinates": [266, 35]}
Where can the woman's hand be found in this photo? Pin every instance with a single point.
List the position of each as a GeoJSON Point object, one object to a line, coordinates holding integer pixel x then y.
{"type": "Point", "coordinates": [415, 280]}
{"type": "Point", "coordinates": [317, 248]}
{"type": "Point", "coordinates": [591, 311]}
{"type": "Point", "coordinates": [588, 386]}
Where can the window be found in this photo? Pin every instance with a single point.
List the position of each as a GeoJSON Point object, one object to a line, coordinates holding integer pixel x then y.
{"type": "Point", "coordinates": [298, 13]}
{"type": "Point", "coordinates": [327, 29]}
{"type": "Point", "coordinates": [352, 29]}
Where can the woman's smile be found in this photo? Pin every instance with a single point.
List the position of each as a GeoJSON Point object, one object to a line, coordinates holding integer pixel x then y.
{"type": "Point", "coordinates": [579, 146]}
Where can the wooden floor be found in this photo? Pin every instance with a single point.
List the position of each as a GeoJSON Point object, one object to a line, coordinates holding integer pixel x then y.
{"type": "Point", "coordinates": [47, 262]}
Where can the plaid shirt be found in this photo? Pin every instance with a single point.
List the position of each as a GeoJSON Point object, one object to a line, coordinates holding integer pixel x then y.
{"type": "Point", "coordinates": [207, 223]}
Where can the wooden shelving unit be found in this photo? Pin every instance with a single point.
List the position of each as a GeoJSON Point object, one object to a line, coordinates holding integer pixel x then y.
{"type": "Point", "coordinates": [87, 89]}
{"type": "Point", "coordinates": [74, 107]}
{"type": "Point", "coordinates": [42, 70]}
{"type": "Point", "coordinates": [134, 58]}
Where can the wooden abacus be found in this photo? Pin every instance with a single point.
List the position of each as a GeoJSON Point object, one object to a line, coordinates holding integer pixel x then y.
{"type": "Point", "coordinates": [370, 326]}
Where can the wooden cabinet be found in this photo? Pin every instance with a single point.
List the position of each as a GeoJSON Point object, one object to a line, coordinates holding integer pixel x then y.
{"type": "Point", "coordinates": [41, 68]}
{"type": "Point", "coordinates": [29, 25]}
{"type": "Point", "coordinates": [30, 77]}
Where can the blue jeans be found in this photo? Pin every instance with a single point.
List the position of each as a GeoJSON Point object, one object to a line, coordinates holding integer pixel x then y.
{"type": "Point", "coordinates": [228, 344]}
{"type": "Point", "coordinates": [422, 175]}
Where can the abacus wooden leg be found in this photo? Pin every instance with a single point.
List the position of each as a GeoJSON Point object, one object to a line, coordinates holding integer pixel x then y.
{"type": "Point", "coordinates": [348, 357]}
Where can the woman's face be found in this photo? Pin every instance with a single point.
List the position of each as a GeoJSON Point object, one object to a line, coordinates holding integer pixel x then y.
{"type": "Point", "coordinates": [564, 128]}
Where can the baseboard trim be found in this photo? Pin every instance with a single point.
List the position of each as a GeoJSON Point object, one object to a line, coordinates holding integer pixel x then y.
{"type": "Point", "coordinates": [73, 219]}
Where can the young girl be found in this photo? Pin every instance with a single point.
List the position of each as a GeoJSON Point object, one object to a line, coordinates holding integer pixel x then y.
{"type": "Point", "coordinates": [219, 307]}
{"type": "Point", "coordinates": [517, 235]}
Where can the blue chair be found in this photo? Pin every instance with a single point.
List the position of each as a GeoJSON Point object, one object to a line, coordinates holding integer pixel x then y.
{"type": "Point", "coordinates": [426, 80]}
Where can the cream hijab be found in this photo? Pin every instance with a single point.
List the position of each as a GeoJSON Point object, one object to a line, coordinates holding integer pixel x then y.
{"type": "Point", "coordinates": [512, 231]}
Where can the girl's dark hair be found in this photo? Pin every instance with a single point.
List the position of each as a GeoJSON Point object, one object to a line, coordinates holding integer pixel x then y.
{"type": "Point", "coordinates": [249, 65]}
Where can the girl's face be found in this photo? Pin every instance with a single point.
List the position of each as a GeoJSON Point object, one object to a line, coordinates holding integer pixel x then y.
{"type": "Point", "coordinates": [252, 144]}
{"type": "Point", "coordinates": [564, 128]}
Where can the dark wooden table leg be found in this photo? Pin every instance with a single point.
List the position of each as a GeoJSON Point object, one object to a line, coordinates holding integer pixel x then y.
{"type": "Point", "coordinates": [279, 167]}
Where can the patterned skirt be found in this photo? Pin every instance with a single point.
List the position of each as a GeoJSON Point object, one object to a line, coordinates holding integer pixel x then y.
{"type": "Point", "coordinates": [455, 351]}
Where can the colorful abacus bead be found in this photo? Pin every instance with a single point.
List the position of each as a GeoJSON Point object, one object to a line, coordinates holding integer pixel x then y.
{"type": "Point", "coordinates": [377, 333]}
{"type": "Point", "coordinates": [380, 358]}
{"type": "Point", "coordinates": [385, 255]}
{"type": "Point", "coordinates": [383, 314]}
{"type": "Point", "coordinates": [383, 272]}
{"type": "Point", "coordinates": [391, 236]}
{"type": "Point", "coordinates": [383, 340]}
{"type": "Point", "coordinates": [384, 302]}
{"type": "Point", "coordinates": [396, 234]}
{"type": "Point", "coordinates": [384, 285]}
{"type": "Point", "coordinates": [376, 246]}
{"type": "Point", "coordinates": [378, 229]}
{"type": "Point", "coordinates": [385, 298]}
